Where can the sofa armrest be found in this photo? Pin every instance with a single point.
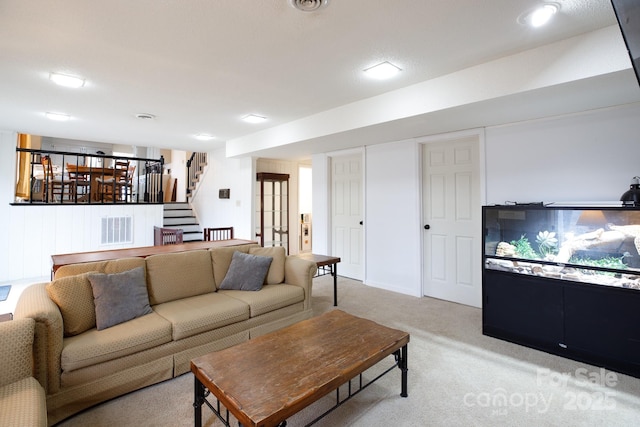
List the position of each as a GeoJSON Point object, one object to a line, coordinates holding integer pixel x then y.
{"type": "Point", "coordinates": [300, 272]}
{"type": "Point", "coordinates": [34, 303]}
{"type": "Point", "coordinates": [16, 350]}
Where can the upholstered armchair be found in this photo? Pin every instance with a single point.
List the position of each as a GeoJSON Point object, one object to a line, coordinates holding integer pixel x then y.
{"type": "Point", "coordinates": [22, 398]}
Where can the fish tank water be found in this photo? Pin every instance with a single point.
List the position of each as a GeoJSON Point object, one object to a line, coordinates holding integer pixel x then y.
{"type": "Point", "coordinates": [596, 245]}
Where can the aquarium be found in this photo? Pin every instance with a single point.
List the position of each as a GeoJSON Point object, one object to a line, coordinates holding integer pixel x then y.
{"type": "Point", "coordinates": [595, 245]}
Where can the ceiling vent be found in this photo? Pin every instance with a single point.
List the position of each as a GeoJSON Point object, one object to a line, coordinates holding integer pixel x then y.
{"type": "Point", "coordinates": [308, 5]}
{"type": "Point", "coordinates": [145, 116]}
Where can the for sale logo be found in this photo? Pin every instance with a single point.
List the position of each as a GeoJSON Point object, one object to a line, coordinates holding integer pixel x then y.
{"type": "Point", "coordinates": [593, 389]}
{"type": "Point", "coordinates": [584, 390]}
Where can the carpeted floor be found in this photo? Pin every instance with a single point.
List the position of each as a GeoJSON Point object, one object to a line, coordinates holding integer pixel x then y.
{"type": "Point", "coordinates": [457, 377]}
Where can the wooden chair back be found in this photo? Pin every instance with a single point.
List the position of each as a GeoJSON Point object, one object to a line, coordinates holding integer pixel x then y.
{"type": "Point", "coordinates": [219, 233]}
{"type": "Point", "coordinates": [167, 236]}
{"type": "Point", "coordinates": [121, 171]}
{"type": "Point", "coordinates": [55, 187]}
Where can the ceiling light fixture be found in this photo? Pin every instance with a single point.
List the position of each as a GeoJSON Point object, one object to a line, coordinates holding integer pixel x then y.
{"type": "Point", "coordinates": [204, 137]}
{"type": "Point", "coordinates": [66, 80]}
{"type": "Point", "coordinates": [254, 118]}
{"type": "Point", "coordinates": [308, 5]}
{"type": "Point", "coordinates": [539, 16]}
{"type": "Point", "coordinates": [60, 117]}
{"type": "Point", "coordinates": [384, 70]}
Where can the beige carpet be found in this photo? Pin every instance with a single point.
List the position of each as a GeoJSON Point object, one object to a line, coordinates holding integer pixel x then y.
{"type": "Point", "coordinates": [457, 377]}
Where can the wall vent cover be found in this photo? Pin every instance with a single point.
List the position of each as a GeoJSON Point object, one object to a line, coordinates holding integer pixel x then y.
{"type": "Point", "coordinates": [116, 229]}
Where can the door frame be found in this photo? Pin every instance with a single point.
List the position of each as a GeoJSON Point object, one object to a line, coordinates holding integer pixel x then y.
{"type": "Point", "coordinates": [360, 151]}
{"type": "Point", "coordinates": [444, 137]}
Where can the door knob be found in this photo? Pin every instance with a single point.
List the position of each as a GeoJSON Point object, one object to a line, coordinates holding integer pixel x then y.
{"type": "Point", "coordinates": [427, 226]}
{"type": "Point", "coordinates": [361, 222]}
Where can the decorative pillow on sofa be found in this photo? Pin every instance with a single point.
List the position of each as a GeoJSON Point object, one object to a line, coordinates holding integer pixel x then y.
{"type": "Point", "coordinates": [276, 270]}
{"type": "Point", "coordinates": [246, 272]}
{"type": "Point", "coordinates": [119, 297]}
{"type": "Point", "coordinates": [74, 298]}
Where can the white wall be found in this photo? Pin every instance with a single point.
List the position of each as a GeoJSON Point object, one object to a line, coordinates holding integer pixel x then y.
{"type": "Point", "coordinates": [179, 172]}
{"type": "Point", "coordinates": [237, 175]}
{"type": "Point", "coordinates": [393, 253]}
{"type": "Point", "coordinates": [583, 157]}
{"type": "Point", "coordinates": [321, 203]}
{"type": "Point", "coordinates": [37, 232]}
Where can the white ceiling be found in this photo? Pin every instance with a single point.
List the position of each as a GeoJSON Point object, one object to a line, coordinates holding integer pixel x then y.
{"type": "Point", "coordinates": [201, 65]}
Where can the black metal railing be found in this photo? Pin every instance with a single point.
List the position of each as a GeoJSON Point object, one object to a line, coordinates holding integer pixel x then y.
{"type": "Point", "coordinates": [57, 177]}
{"type": "Point", "coordinates": [195, 165]}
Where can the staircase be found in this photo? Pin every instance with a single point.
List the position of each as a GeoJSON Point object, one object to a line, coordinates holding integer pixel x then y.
{"type": "Point", "coordinates": [180, 215]}
{"type": "Point", "coordinates": [195, 169]}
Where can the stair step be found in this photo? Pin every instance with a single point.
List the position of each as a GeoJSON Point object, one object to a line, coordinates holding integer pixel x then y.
{"type": "Point", "coordinates": [180, 220]}
{"type": "Point", "coordinates": [186, 228]}
{"type": "Point", "coordinates": [192, 236]}
{"type": "Point", "coordinates": [178, 213]}
{"type": "Point", "coordinates": [176, 205]}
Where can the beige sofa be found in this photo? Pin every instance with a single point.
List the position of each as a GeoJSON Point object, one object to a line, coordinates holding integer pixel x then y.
{"type": "Point", "coordinates": [22, 399]}
{"type": "Point", "coordinates": [80, 366]}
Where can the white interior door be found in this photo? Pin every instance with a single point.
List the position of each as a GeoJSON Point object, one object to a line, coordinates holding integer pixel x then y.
{"type": "Point", "coordinates": [452, 220]}
{"type": "Point", "coordinates": [347, 215]}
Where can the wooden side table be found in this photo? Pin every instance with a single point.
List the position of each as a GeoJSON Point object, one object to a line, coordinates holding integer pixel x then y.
{"type": "Point", "coordinates": [326, 265]}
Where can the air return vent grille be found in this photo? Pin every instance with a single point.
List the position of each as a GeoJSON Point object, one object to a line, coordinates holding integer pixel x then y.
{"type": "Point", "coordinates": [116, 229]}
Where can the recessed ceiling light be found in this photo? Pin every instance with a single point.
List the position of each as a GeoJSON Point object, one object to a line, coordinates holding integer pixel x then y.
{"type": "Point", "coordinates": [539, 16]}
{"type": "Point", "coordinates": [254, 118]}
{"type": "Point", "coordinates": [66, 80]}
{"type": "Point", "coordinates": [60, 117]}
{"type": "Point", "coordinates": [204, 137]}
{"type": "Point", "coordinates": [382, 71]}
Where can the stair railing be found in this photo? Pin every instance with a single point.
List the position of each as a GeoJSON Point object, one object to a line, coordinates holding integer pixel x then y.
{"type": "Point", "coordinates": [144, 185]}
{"type": "Point", "coordinates": [194, 169]}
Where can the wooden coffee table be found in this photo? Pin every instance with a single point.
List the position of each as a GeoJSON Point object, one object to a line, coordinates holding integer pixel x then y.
{"type": "Point", "coordinates": [266, 380]}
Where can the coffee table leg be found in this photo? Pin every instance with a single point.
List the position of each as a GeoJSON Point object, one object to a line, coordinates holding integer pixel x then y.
{"type": "Point", "coordinates": [402, 364]}
{"type": "Point", "coordinates": [198, 401]}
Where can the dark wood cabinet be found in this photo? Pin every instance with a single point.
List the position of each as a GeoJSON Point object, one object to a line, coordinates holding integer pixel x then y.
{"type": "Point", "coordinates": [557, 282]}
{"type": "Point", "coordinates": [272, 216]}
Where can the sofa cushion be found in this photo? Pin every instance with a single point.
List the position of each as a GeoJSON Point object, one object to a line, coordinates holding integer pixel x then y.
{"type": "Point", "coordinates": [221, 259]}
{"type": "Point", "coordinates": [179, 275]}
{"type": "Point", "coordinates": [194, 315]}
{"type": "Point", "coordinates": [74, 298]}
{"type": "Point", "coordinates": [276, 269]}
{"type": "Point", "coordinates": [119, 297]}
{"type": "Point", "coordinates": [121, 340]}
{"type": "Point", "coordinates": [269, 298]}
{"type": "Point", "coordinates": [246, 272]}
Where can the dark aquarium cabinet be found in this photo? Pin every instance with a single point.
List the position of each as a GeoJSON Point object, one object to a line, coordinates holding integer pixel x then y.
{"type": "Point", "coordinates": [565, 280]}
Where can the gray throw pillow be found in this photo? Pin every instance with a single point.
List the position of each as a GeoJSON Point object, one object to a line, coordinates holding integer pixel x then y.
{"type": "Point", "coordinates": [246, 272]}
{"type": "Point", "coordinates": [119, 297]}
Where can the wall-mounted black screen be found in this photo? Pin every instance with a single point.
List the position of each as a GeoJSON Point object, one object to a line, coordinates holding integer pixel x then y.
{"type": "Point", "coordinates": [628, 14]}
